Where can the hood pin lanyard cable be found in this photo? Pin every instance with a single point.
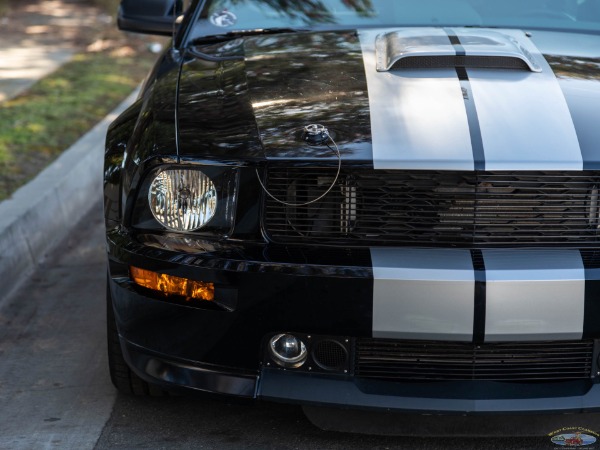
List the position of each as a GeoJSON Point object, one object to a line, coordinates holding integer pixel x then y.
{"type": "Point", "coordinates": [324, 133]}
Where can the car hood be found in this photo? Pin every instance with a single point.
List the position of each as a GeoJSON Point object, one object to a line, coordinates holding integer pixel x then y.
{"type": "Point", "coordinates": [251, 99]}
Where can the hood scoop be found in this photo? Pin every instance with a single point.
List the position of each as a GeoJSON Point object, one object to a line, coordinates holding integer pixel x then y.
{"type": "Point", "coordinates": [405, 49]}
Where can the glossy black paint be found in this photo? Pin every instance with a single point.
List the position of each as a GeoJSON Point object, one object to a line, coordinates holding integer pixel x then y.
{"type": "Point", "coordinates": [309, 78]}
{"type": "Point", "coordinates": [428, 398]}
{"type": "Point", "coordinates": [172, 374]}
{"type": "Point", "coordinates": [247, 100]}
{"type": "Point", "coordinates": [278, 289]}
{"type": "Point", "coordinates": [215, 112]}
{"type": "Point", "coordinates": [142, 136]}
{"type": "Point", "coordinates": [149, 16]}
{"type": "Point", "coordinates": [591, 326]}
{"type": "Point", "coordinates": [251, 98]}
{"type": "Point", "coordinates": [243, 103]}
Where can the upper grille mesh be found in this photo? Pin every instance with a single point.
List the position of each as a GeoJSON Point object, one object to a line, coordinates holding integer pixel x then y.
{"type": "Point", "coordinates": [381, 207]}
{"type": "Point", "coordinates": [512, 361]}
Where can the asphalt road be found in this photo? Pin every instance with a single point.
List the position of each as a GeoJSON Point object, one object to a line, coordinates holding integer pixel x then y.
{"type": "Point", "coordinates": [55, 391]}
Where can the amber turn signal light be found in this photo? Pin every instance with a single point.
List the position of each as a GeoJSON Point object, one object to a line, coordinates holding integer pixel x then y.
{"type": "Point", "coordinates": [173, 285]}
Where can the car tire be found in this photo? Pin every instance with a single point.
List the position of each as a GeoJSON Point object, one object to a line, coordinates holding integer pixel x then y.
{"type": "Point", "coordinates": [122, 377]}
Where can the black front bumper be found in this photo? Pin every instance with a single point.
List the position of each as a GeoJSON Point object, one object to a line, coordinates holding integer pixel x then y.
{"type": "Point", "coordinates": [273, 290]}
{"type": "Point", "coordinates": [346, 391]}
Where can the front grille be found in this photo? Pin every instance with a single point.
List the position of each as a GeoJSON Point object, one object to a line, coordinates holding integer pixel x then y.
{"type": "Point", "coordinates": [452, 209]}
{"type": "Point", "coordinates": [390, 360]}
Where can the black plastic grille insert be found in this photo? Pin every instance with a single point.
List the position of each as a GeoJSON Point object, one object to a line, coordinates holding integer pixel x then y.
{"type": "Point", "coordinates": [447, 209]}
{"type": "Point", "coordinates": [392, 360]}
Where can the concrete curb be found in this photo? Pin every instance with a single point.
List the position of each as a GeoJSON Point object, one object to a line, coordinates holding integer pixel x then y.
{"type": "Point", "coordinates": [40, 214]}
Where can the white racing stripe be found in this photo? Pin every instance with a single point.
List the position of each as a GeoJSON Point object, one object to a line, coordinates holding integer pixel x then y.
{"type": "Point", "coordinates": [423, 294]}
{"type": "Point", "coordinates": [418, 117]}
{"type": "Point", "coordinates": [534, 295]}
{"type": "Point", "coordinates": [429, 294]}
{"type": "Point", "coordinates": [523, 116]}
{"type": "Point", "coordinates": [419, 120]}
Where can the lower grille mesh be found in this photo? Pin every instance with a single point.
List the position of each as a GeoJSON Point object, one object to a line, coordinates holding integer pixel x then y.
{"type": "Point", "coordinates": [436, 361]}
{"type": "Point", "coordinates": [379, 207]}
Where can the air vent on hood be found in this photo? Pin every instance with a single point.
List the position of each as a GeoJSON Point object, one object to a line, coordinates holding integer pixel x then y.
{"type": "Point", "coordinates": [485, 49]}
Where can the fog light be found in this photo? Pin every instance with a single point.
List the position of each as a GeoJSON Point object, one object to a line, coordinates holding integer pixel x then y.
{"type": "Point", "coordinates": [173, 285]}
{"type": "Point", "coordinates": [287, 351]}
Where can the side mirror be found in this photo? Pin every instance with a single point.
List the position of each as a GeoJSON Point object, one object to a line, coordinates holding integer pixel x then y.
{"type": "Point", "coordinates": [149, 16]}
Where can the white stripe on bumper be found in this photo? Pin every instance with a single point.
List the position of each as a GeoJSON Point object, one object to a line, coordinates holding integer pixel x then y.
{"type": "Point", "coordinates": [423, 294]}
{"type": "Point", "coordinates": [429, 294]}
{"type": "Point", "coordinates": [534, 295]}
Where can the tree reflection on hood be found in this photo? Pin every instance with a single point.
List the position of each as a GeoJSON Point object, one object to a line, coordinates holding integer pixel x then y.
{"type": "Point", "coordinates": [313, 11]}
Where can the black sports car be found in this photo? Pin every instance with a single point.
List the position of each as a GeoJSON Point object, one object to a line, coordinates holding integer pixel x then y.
{"type": "Point", "coordinates": [363, 203]}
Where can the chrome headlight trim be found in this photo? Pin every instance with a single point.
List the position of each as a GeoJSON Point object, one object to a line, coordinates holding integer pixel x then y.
{"type": "Point", "coordinates": [191, 198]}
{"type": "Point", "coordinates": [182, 199]}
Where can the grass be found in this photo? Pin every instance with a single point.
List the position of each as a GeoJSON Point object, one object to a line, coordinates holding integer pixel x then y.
{"type": "Point", "coordinates": [37, 126]}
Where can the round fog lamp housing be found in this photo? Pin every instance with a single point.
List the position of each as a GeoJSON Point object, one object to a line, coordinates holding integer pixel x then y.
{"type": "Point", "coordinates": [182, 199]}
{"type": "Point", "coordinates": [287, 350]}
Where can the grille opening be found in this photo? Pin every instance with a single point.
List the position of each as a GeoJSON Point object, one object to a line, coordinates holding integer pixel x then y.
{"type": "Point", "coordinates": [447, 209]}
{"type": "Point", "coordinates": [452, 61]}
{"type": "Point", "coordinates": [330, 355]}
{"type": "Point", "coordinates": [341, 205]}
{"type": "Point", "coordinates": [391, 360]}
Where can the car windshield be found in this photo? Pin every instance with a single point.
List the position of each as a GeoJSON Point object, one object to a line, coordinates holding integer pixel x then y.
{"type": "Point", "coordinates": [222, 16]}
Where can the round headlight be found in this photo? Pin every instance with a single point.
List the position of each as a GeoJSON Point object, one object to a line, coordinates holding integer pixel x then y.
{"type": "Point", "coordinates": [182, 199]}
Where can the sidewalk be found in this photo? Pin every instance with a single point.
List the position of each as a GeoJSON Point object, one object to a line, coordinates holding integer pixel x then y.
{"type": "Point", "coordinates": [36, 38]}
{"type": "Point", "coordinates": [24, 66]}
